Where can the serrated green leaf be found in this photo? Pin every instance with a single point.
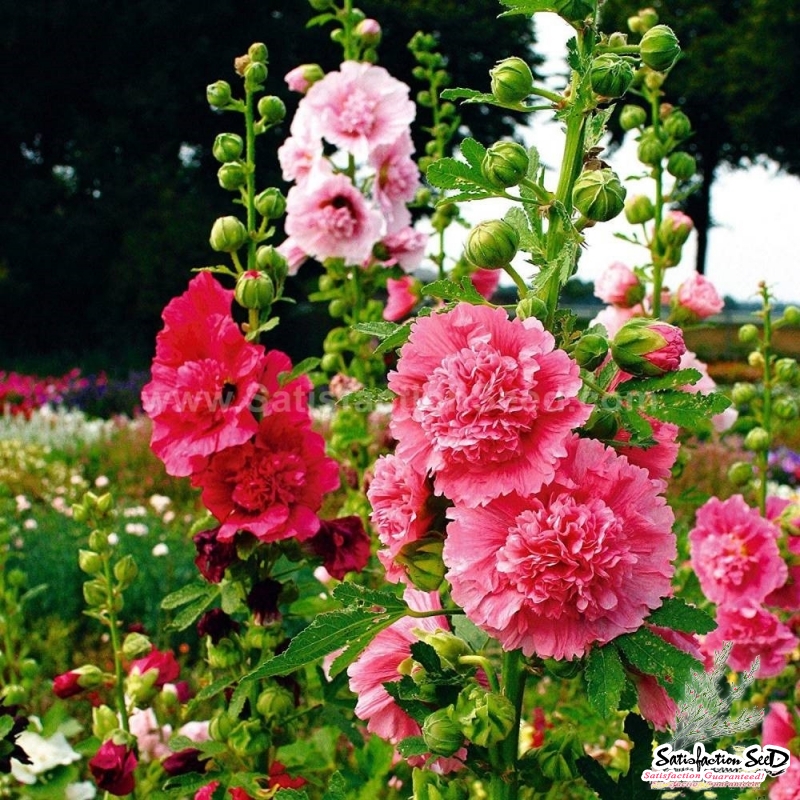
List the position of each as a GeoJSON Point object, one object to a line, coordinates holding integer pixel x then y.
{"type": "Point", "coordinates": [448, 173]}
{"type": "Point", "coordinates": [381, 330]}
{"type": "Point", "coordinates": [337, 787]}
{"type": "Point", "coordinates": [186, 784]}
{"type": "Point", "coordinates": [468, 196]}
{"type": "Point", "coordinates": [208, 747]}
{"type": "Point", "coordinates": [596, 128]}
{"type": "Point", "coordinates": [461, 94]}
{"type": "Point", "coordinates": [271, 323]}
{"type": "Point", "coordinates": [605, 679]}
{"type": "Point", "coordinates": [191, 613]}
{"type": "Point", "coordinates": [464, 291]}
{"type": "Point", "coordinates": [672, 380]}
{"type": "Point", "coordinates": [687, 409]}
{"type": "Point", "coordinates": [355, 647]}
{"type": "Point", "coordinates": [518, 219]}
{"type": "Point", "coordinates": [474, 152]}
{"type": "Point", "coordinates": [427, 657]}
{"type": "Point", "coordinates": [412, 746]}
{"type": "Point", "coordinates": [186, 594]}
{"type": "Point", "coordinates": [305, 366]}
{"type": "Point", "coordinates": [679, 615]}
{"type": "Point", "coordinates": [367, 397]}
{"type": "Point", "coordinates": [640, 429]}
{"type": "Point", "coordinates": [395, 341]}
{"type": "Point", "coordinates": [212, 690]}
{"type": "Point", "coordinates": [526, 6]}
{"type": "Point", "coordinates": [353, 594]}
{"type": "Point", "coordinates": [467, 630]}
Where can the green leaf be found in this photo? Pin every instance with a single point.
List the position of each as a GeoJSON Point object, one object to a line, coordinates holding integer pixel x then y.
{"type": "Point", "coordinates": [672, 380]}
{"type": "Point", "coordinates": [467, 95]}
{"type": "Point", "coordinates": [381, 330]}
{"type": "Point", "coordinates": [448, 173]}
{"type": "Point", "coordinates": [232, 597]}
{"type": "Point", "coordinates": [605, 679]}
{"type": "Point", "coordinates": [271, 323]}
{"type": "Point", "coordinates": [467, 630]}
{"type": "Point", "coordinates": [354, 648]}
{"type": "Point", "coordinates": [526, 6]}
{"type": "Point", "coordinates": [464, 291]}
{"type": "Point", "coordinates": [687, 409]}
{"type": "Point", "coordinates": [186, 594]}
{"type": "Point", "coordinates": [395, 341]}
{"type": "Point", "coordinates": [6, 724]}
{"type": "Point", "coordinates": [212, 690]}
{"type": "Point", "coordinates": [337, 787]}
{"type": "Point", "coordinates": [679, 615]}
{"type": "Point", "coordinates": [367, 398]}
{"type": "Point", "coordinates": [640, 429]}
{"type": "Point", "coordinates": [304, 367]}
{"type": "Point", "coordinates": [596, 776]}
{"type": "Point", "coordinates": [182, 785]}
{"type": "Point", "coordinates": [320, 19]}
{"type": "Point", "coordinates": [353, 594]}
{"type": "Point", "coordinates": [217, 270]}
{"type": "Point", "coordinates": [412, 746]}
{"type": "Point", "coordinates": [474, 152]}
{"type": "Point", "coordinates": [191, 613]}
{"type": "Point", "coordinates": [291, 794]}
{"type": "Point", "coordinates": [467, 196]}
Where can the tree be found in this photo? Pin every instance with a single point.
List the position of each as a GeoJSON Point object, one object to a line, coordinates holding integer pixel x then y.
{"type": "Point", "coordinates": [736, 80]}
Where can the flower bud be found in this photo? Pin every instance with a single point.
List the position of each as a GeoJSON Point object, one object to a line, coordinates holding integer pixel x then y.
{"type": "Point", "coordinates": [271, 260]}
{"type": "Point", "coordinates": [369, 31]}
{"type": "Point", "coordinates": [135, 646]}
{"type": "Point", "coordinates": [485, 718]}
{"type": "Point", "coordinates": [254, 290]}
{"type": "Point", "coordinates": [650, 150]}
{"type": "Point", "coordinates": [598, 194]}
{"type": "Point", "coordinates": [218, 94]}
{"type": "Point", "coordinates": [677, 125]}
{"type": "Point", "coordinates": [227, 147]}
{"type": "Point", "coordinates": [270, 203]}
{"type": "Point", "coordinates": [756, 359]}
{"type": "Point", "coordinates": [232, 176]}
{"type": "Point", "coordinates": [648, 17]}
{"type": "Point", "coordinates": [660, 48]}
{"type": "Point", "coordinates": [611, 75]}
{"type": "Point", "coordinates": [255, 73]}
{"type": "Point", "coordinates": [422, 560]}
{"type": "Point", "coordinates": [791, 315]}
{"type": "Point", "coordinates": [648, 348]}
{"type": "Point", "coordinates": [448, 646]}
{"type": "Point", "coordinates": [512, 80]}
{"type": "Point", "coordinates": [590, 351]}
{"type": "Point", "coordinates": [743, 393]}
{"type": "Point", "coordinates": [632, 117]}
{"type": "Point", "coordinates": [740, 473]}
{"type": "Point", "coordinates": [442, 734]}
{"type": "Point", "coordinates": [492, 244]}
{"type": "Point", "coordinates": [748, 334]}
{"type": "Point", "coordinates": [249, 739]}
{"type": "Point", "coordinates": [125, 571]}
{"type": "Point", "coordinates": [785, 408]}
{"type": "Point", "coordinates": [94, 593]}
{"type": "Point", "coordinates": [574, 10]}
{"type": "Point", "coordinates": [505, 164]}
{"type": "Point", "coordinates": [98, 541]}
{"type": "Point", "coordinates": [77, 680]}
{"type": "Point", "coordinates": [787, 371]}
{"type": "Point", "coordinates": [757, 440]}
{"type": "Point", "coordinates": [302, 78]}
{"type": "Point", "coordinates": [222, 654]}
{"type": "Point", "coordinates": [104, 722]}
{"type": "Point", "coordinates": [258, 53]}
{"type": "Point", "coordinates": [639, 209]}
{"type": "Point", "coordinates": [681, 165]}
{"type": "Point", "coordinates": [272, 109]}
{"type": "Point", "coordinates": [90, 562]}
{"type": "Point", "coordinates": [275, 704]}
{"type": "Point", "coordinates": [228, 234]}
{"type": "Point", "coordinates": [220, 727]}
{"type": "Point", "coordinates": [531, 307]}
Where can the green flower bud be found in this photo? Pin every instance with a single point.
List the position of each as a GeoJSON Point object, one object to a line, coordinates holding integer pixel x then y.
{"type": "Point", "coordinates": [275, 704]}
{"type": "Point", "coordinates": [791, 315]}
{"type": "Point", "coordinates": [505, 164]}
{"type": "Point", "coordinates": [602, 425]}
{"type": "Point", "coordinates": [255, 73]}
{"type": "Point", "coordinates": [228, 234]}
{"type": "Point", "coordinates": [98, 541]}
{"type": "Point", "coordinates": [272, 109]}
{"type": "Point", "coordinates": [427, 785]}
{"type": "Point", "coordinates": [748, 334]}
{"type": "Point", "coordinates": [639, 209]}
{"type": "Point", "coordinates": [249, 739]}
{"type": "Point", "coordinates": [125, 571]}
{"type": "Point", "coordinates": [785, 408]}
{"type": "Point", "coordinates": [220, 727]}
{"type": "Point", "coordinates": [590, 351]}
{"type": "Point", "coordinates": [232, 176]}
{"type": "Point", "coordinates": [756, 359]}
{"type": "Point", "coordinates": [94, 593]}
{"type": "Point", "coordinates": [743, 393]}
{"type": "Point", "coordinates": [677, 125]}
{"type": "Point", "coordinates": [531, 307]}
{"type": "Point", "coordinates": [740, 473]}
{"type": "Point", "coordinates": [448, 647]}
{"type": "Point", "coordinates": [79, 512]}
{"type": "Point", "coordinates": [674, 229]}
{"type": "Point", "coordinates": [218, 94]}
{"type": "Point", "coordinates": [757, 440]}
{"type": "Point", "coordinates": [104, 722]}
{"type": "Point", "coordinates": [574, 10]}
{"type": "Point", "coordinates": [651, 149]}
{"type": "Point", "coordinates": [254, 289]}
{"type": "Point", "coordinates": [90, 562]}
{"type": "Point", "coordinates": [442, 734]}
{"type": "Point", "coordinates": [512, 80]}
{"type": "Point", "coordinates": [105, 503]}
{"type": "Point", "coordinates": [648, 348]}
{"type": "Point", "coordinates": [270, 203]}
{"type": "Point", "coordinates": [492, 244]}
{"type": "Point", "coordinates": [787, 371]}
{"type": "Point", "coordinates": [598, 194]}
{"type": "Point", "coordinates": [648, 18]}
{"type": "Point", "coordinates": [632, 117]}
{"type": "Point", "coordinates": [14, 694]}
{"type": "Point", "coordinates": [227, 147]}
{"type": "Point", "coordinates": [660, 48]}
{"type": "Point", "coordinates": [272, 261]}
{"type": "Point", "coordinates": [485, 718]}
{"type": "Point", "coordinates": [141, 686]}
{"type": "Point", "coordinates": [135, 646]}
{"type": "Point", "coordinates": [223, 654]}
{"type": "Point", "coordinates": [682, 165]}
{"type": "Point", "coordinates": [422, 560]}
{"type": "Point", "coordinates": [611, 75]}
{"type": "Point", "coordinates": [258, 52]}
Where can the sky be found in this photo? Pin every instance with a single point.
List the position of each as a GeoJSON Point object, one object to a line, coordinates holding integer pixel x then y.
{"type": "Point", "coordinates": [755, 209]}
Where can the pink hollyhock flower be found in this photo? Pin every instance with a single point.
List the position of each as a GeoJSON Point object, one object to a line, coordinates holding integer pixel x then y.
{"type": "Point", "coordinates": [706, 385]}
{"type": "Point", "coordinates": [486, 281]}
{"type": "Point", "coordinates": [698, 296]}
{"type": "Point", "coordinates": [734, 552]}
{"type": "Point", "coordinates": [207, 791]}
{"type": "Point", "coordinates": [151, 738]}
{"type": "Point", "coordinates": [295, 256]}
{"type": "Point", "coordinates": [112, 768]}
{"type": "Point", "coordinates": [342, 544]}
{"type": "Point", "coordinates": [403, 296]}
{"type": "Point", "coordinates": [397, 176]}
{"type": "Point", "coordinates": [755, 633]}
{"type": "Point", "coordinates": [401, 513]}
{"type": "Point", "coordinates": [162, 662]}
{"type": "Point", "coordinates": [205, 375]}
{"type": "Point", "coordinates": [484, 403]}
{"type": "Point", "coordinates": [272, 486]}
{"type": "Point", "coordinates": [657, 459]}
{"type": "Point", "coordinates": [778, 726]}
{"type": "Point", "coordinates": [579, 563]}
{"type": "Point", "coordinates": [618, 285]}
{"type": "Point", "coordinates": [291, 397]}
{"type": "Point", "coordinates": [328, 217]}
{"type": "Point", "coordinates": [359, 108]}
{"type": "Point", "coordinates": [787, 787]}
{"type": "Point", "coordinates": [405, 247]}
{"type": "Point", "coordinates": [379, 663]}
{"type": "Point", "coordinates": [300, 157]}
{"type": "Point", "coordinates": [613, 318]}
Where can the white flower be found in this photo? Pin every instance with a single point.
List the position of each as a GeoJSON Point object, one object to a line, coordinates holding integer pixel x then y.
{"type": "Point", "coordinates": [80, 791]}
{"type": "Point", "coordinates": [45, 754]}
{"type": "Point", "coordinates": [136, 528]}
{"type": "Point", "coordinates": [159, 502]}
{"type": "Point", "coordinates": [23, 504]}
{"type": "Point", "coordinates": [134, 511]}
{"type": "Point", "coordinates": [30, 524]}
{"type": "Point", "coordinates": [113, 539]}
{"type": "Point", "coordinates": [160, 549]}
{"type": "Point", "coordinates": [101, 481]}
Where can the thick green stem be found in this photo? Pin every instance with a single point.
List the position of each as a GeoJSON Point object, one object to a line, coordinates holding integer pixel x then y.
{"type": "Point", "coordinates": [505, 783]}
{"type": "Point", "coordinates": [658, 177]}
{"type": "Point", "coordinates": [250, 186]}
{"type": "Point", "coordinates": [762, 458]}
{"type": "Point", "coordinates": [119, 677]}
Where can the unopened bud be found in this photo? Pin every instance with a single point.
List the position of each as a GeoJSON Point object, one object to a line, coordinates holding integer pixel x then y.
{"type": "Point", "coordinates": [660, 48]}
{"type": "Point", "coordinates": [254, 290]}
{"type": "Point", "coordinates": [650, 149]}
{"type": "Point", "coordinates": [756, 359]}
{"type": "Point", "coordinates": [255, 74]}
{"type": "Point", "coordinates": [448, 646]}
{"type": "Point", "coordinates": [785, 408]}
{"type": "Point", "coordinates": [748, 334]}
{"type": "Point", "coordinates": [94, 593]}
{"type": "Point", "coordinates": [639, 210]}
{"type": "Point", "coordinates": [369, 31]}
{"type": "Point", "coordinates": [270, 203]}
{"type": "Point", "coordinates": [598, 194]}
{"type": "Point", "coordinates": [104, 722]}
{"type": "Point", "coordinates": [275, 704]}
{"type": "Point", "coordinates": [227, 147]}
{"type": "Point", "coordinates": [136, 645]}
{"type": "Point", "coordinates": [505, 164]}
{"type": "Point", "coordinates": [232, 176]}
{"type": "Point", "coordinates": [272, 261]}
{"type": "Point", "coordinates": [740, 473]}
{"type": "Point", "coordinates": [647, 348]}
{"type": "Point", "coordinates": [743, 393]}
{"type": "Point", "coordinates": [423, 563]}
{"type": "Point", "coordinates": [757, 440]}
{"type": "Point", "coordinates": [531, 307]}
{"type": "Point", "coordinates": [218, 94]}
{"type": "Point", "coordinates": [485, 718]}
{"type": "Point", "coordinates": [675, 229]}
{"type": "Point", "coordinates": [90, 562]}
{"type": "Point", "coordinates": [125, 571]}
{"type": "Point", "coordinates": [492, 244]}
{"type": "Point", "coordinates": [682, 165]}
{"type": "Point", "coordinates": [611, 75]}
{"type": "Point", "coordinates": [512, 80]}
{"type": "Point", "coordinates": [590, 351]}
{"type": "Point", "coordinates": [787, 370]}
{"type": "Point", "coordinates": [228, 234]}
{"type": "Point", "coordinates": [632, 117]}
{"type": "Point", "coordinates": [677, 125]}
{"type": "Point", "coordinates": [442, 734]}
{"type": "Point", "coordinates": [302, 78]}
{"type": "Point", "coordinates": [272, 109]}
{"type": "Point", "coordinates": [258, 53]}
{"type": "Point", "coordinates": [791, 315]}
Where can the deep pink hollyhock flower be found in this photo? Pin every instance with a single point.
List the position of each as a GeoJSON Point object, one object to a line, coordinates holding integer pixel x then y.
{"type": "Point", "coordinates": [403, 296]}
{"type": "Point", "coordinates": [698, 296]}
{"type": "Point", "coordinates": [484, 403]}
{"type": "Point", "coordinates": [207, 791]}
{"type": "Point", "coordinates": [342, 544]}
{"type": "Point", "coordinates": [658, 459]}
{"type": "Point", "coordinates": [278, 776]}
{"type": "Point", "coordinates": [213, 555]}
{"type": "Point", "coordinates": [66, 685]}
{"type": "Point", "coordinates": [329, 218]}
{"type": "Point", "coordinates": [734, 552]}
{"type": "Point", "coordinates": [162, 661]}
{"type": "Point", "coordinates": [406, 247]}
{"type": "Point", "coordinates": [755, 633]}
{"type": "Point", "coordinates": [205, 375]}
{"type": "Point", "coordinates": [618, 285]}
{"type": "Point", "coordinates": [778, 726]}
{"type": "Point", "coordinates": [112, 768]}
{"type": "Point", "coordinates": [787, 787]}
{"type": "Point", "coordinates": [486, 281]}
{"type": "Point", "coordinates": [579, 563]}
{"type": "Point", "coordinates": [292, 397]}
{"type": "Point", "coordinates": [184, 761]}
{"type": "Point", "coordinates": [237, 793]}
{"type": "Point", "coordinates": [379, 663]}
{"type": "Point", "coordinates": [397, 176]}
{"type": "Point", "coordinates": [359, 108]}
{"type": "Point", "coordinates": [613, 318]}
{"type": "Point", "coordinates": [272, 486]}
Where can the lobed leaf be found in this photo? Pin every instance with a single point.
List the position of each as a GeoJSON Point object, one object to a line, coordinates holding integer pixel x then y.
{"type": "Point", "coordinates": [605, 679]}
{"type": "Point", "coordinates": [679, 615]}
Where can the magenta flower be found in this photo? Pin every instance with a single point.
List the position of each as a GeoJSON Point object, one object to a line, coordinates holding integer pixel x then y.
{"type": "Point", "coordinates": [755, 633]}
{"type": "Point", "coordinates": [112, 768]}
{"type": "Point", "coordinates": [213, 556]}
{"type": "Point", "coordinates": [163, 662]}
{"type": "Point", "coordinates": [342, 544]}
{"type": "Point", "coordinates": [359, 108]}
{"type": "Point", "coordinates": [328, 217]}
{"type": "Point", "coordinates": [486, 281]}
{"type": "Point", "coordinates": [698, 296]}
{"type": "Point", "coordinates": [484, 403]}
{"type": "Point", "coordinates": [618, 285]}
{"type": "Point", "coordinates": [403, 296]}
{"type": "Point", "coordinates": [734, 552]}
{"type": "Point", "coordinates": [205, 375]}
{"type": "Point", "coordinates": [778, 726]}
{"type": "Point", "coordinates": [271, 486]}
{"type": "Point", "coordinates": [581, 562]}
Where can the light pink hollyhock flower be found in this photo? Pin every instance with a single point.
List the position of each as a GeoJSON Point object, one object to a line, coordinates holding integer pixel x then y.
{"type": "Point", "coordinates": [272, 486]}
{"type": "Point", "coordinates": [734, 552]}
{"type": "Point", "coordinates": [401, 513]}
{"type": "Point", "coordinates": [484, 403]}
{"type": "Point", "coordinates": [755, 632]}
{"type": "Point", "coordinates": [698, 295]}
{"type": "Point", "coordinates": [619, 286]}
{"type": "Point", "coordinates": [397, 177]}
{"type": "Point", "coordinates": [204, 378]}
{"type": "Point", "coordinates": [787, 787]}
{"type": "Point", "coordinates": [579, 563]}
{"type": "Point", "coordinates": [151, 737]}
{"type": "Point", "coordinates": [301, 157]}
{"type": "Point", "coordinates": [613, 318]}
{"type": "Point", "coordinates": [380, 662]}
{"type": "Point", "coordinates": [486, 281]}
{"type": "Point", "coordinates": [295, 256]}
{"type": "Point", "coordinates": [359, 108]}
{"type": "Point", "coordinates": [778, 726]}
{"type": "Point", "coordinates": [406, 247]}
{"type": "Point", "coordinates": [706, 385]}
{"type": "Point", "coordinates": [328, 217]}
{"type": "Point", "coordinates": [403, 296]}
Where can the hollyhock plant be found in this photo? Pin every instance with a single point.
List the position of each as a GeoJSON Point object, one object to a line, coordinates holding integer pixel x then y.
{"type": "Point", "coordinates": [734, 552]}
{"type": "Point", "coordinates": [484, 403]}
{"type": "Point", "coordinates": [618, 285]}
{"type": "Point", "coordinates": [113, 767]}
{"type": "Point", "coordinates": [581, 561]}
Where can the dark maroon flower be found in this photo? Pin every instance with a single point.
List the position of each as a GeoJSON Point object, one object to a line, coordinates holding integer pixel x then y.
{"type": "Point", "coordinates": [263, 601]}
{"type": "Point", "coordinates": [213, 556]}
{"type": "Point", "coordinates": [164, 663]}
{"type": "Point", "coordinates": [342, 544]}
{"type": "Point", "coordinates": [184, 761]}
{"type": "Point", "coordinates": [112, 768]}
{"type": "Point", "coordinates": [216, 624]}
{"type": "Point", "coordinates": [8, 745]}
